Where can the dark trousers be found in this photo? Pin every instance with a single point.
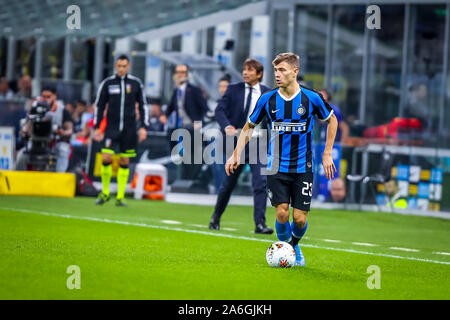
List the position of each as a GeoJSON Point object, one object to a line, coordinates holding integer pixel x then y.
{"type": "Point", "coordinates": [189, 171]}
{"type": "Point", "coordinates": [259, 192]}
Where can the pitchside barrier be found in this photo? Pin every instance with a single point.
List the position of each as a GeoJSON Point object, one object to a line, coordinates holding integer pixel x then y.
{"type": "Point", "coordinates": [418, 174]}
{"type": "Point", "coordinates": [37, 183]}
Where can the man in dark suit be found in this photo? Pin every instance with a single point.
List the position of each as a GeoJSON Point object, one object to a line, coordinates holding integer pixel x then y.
{"type": "Point", "coordinates": [190, 107]}
{"type": "Point", "coordinates": [232, 113]}
{"type": "Point", "coordinates": [187, 100]}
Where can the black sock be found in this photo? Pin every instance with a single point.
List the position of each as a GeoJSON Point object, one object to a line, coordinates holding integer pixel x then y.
{"type": "Point", "coordinates": [294, 240]}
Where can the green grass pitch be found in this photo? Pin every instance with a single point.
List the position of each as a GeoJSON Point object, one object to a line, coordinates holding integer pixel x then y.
{"type": "Point", "coordinates": [139, 252]}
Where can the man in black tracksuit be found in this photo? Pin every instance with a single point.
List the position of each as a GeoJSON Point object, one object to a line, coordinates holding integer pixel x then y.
{"type": "Point", "coordinates": [121, 92]}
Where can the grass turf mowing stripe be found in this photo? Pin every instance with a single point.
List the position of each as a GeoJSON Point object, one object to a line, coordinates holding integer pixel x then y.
{"type": "Point", "coordinates": [213, 234]}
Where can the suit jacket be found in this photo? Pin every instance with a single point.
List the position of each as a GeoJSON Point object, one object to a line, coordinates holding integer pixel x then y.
{"type": "Point", "coordinates": [230, 107]}
{"type": "Point", "coordinates": [194, 103]}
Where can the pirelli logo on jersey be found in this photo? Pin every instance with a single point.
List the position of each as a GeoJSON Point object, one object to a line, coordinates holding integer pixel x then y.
{"type": "Point", "coordinates": [289, 126]}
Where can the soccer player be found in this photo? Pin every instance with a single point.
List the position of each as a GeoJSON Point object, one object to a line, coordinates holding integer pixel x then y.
{"type": "Point", "coordinates": [290, 109]}
{"type": "Point", "coordinates": [121, 92]}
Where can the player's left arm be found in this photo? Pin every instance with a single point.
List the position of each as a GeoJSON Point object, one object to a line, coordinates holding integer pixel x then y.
{"type": "Point", "coordinates": [327, 159]}
{"type": "Point", "coordinates": [143, 113]}
{"type": "Point", "coordinates": [325, 113]}
{"type": "Point", "coordinates": [246, 133]}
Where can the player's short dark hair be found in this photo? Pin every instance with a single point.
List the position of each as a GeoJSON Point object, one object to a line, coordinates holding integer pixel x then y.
{"type": "Point", "coordinates": [50, 88]}
{"type": "Point", "coordinates": [255, 64]}
{"type": "Point", "coordinates": [291, 58]}
{"type": "Point", "coordinates": [123, 57]}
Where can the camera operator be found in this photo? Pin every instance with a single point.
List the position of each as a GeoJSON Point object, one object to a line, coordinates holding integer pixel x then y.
{"type": "Point", "coordinates": [61, 127]}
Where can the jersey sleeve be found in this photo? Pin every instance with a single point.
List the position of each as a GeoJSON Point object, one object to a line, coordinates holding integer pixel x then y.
{"type": "Point", "coordinates": [259, 112]}
{"type": "Point", "coordinates": [100, 104]}
{"type": "Point", "coordinates": [142, 107]}
{"type": "Point", "coordinates": [321, 108]}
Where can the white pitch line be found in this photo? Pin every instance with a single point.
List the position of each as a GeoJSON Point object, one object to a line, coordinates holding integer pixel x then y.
{"type": "Point", "coordinates": [216, 234]}
{"type": "Point", "coordinates": [331, 240]}
{"type": "Point", "coordinates": [443, 253]}
{"type": "Point", "coordinates": [364, 244]}
{"type": "Point", "coordinates": [404, 249]}
{"type": "Point", "coordinates": [228, 229]}
{"type": "Point", "coordinates": [170, 222]}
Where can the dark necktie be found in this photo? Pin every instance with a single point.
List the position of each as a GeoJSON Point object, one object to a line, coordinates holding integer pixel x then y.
{"type": "Point", "coordinates": [247, 106]}
{"type": "Point", "coordinates": [179, 96]}
{"type": "Point", "coordinates": [179, 106]}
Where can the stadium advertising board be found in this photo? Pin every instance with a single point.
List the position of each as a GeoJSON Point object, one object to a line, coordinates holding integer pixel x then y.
{"type": "Point", "coordinates": [7, 148]}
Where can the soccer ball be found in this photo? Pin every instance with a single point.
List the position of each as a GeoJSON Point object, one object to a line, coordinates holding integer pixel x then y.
{"type": "Point", "coordinates": [280, 255]}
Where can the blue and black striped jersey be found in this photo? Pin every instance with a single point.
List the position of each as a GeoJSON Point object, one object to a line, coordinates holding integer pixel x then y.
{"type": "Point", "coordinates": [292, 123]}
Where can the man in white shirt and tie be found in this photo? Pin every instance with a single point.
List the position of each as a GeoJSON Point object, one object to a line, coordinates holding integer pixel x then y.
{"type": "Point", "coordinates": [232, 113]}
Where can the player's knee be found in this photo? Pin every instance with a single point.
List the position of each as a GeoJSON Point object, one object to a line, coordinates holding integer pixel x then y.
{"type": "Point", "coordinates": [124, 165]}
{"type": "Point", "coordinates": [282, 213]}
{"type": "Point", "coordinates": [106, 162]}
{"type": "Point", "coordinates": [300, 220]}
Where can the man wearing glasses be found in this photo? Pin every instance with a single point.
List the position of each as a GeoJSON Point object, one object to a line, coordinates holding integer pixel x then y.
{"type": "Point", "coordinates": [189, 107]}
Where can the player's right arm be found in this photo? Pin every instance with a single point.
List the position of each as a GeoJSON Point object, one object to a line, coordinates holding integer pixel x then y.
{"type": "Point", "coordinates": [255, 118]}
{"type": "Point", "coordinates": [100, 103]}
{"type": "Point", "coordinates": [235, 160]}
